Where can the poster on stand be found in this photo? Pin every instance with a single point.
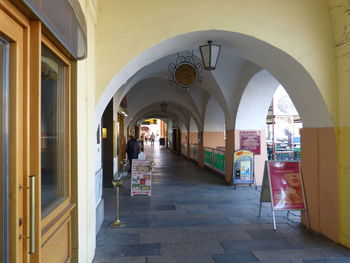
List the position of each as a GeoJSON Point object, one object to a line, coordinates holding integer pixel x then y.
{"type": "Point", "coordinates": [141, 177]}
{"type": "Point", "coordinates": [243, 167]}
{"type": "Point", "coordinates": [286, 186]}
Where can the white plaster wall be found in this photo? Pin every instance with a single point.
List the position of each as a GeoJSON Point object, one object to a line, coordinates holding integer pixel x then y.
{"type": "Point", "coordinates": [183, 128]}
{"type": "Point", "coordinates": [228, 75]}
{"type": "Point", "coordinates": [89, 160]}
{"type": "Point", "coordinates": [214, 117]}
{"type": "Point", "coordinates": [193, 126]}
{"type": "Point", "coordinates": [255, 102]}
{"type": "Point", "coordinates": [98, 167]}
{"type": "Point", "coordinates": [115, 119]}
{"type": "Point", "coordinates": [155, 91]}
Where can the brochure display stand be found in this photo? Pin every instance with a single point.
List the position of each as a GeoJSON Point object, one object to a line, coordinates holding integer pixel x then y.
{"type": "Point", "coordinates": [141, 177]}
{"type": "Point", "coordinates": [243, 168]}
{"type": "Point", "coordinates": [283, 187]}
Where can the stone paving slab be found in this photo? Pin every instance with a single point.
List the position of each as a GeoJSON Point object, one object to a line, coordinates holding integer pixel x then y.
{"type": "Point", "coordinates": [235, 246]}
{"type": "Point", "coordinates": [222, 235]}
{"type": "Point", "coordinates": [265, 234]}
{"type": "Point", "coordinates": [199, 248]}
{"type": "Point", "coordinates": [120, 260]}
{"type": "Point", "coordinates": [168, 237]}
{"type": "Point", "coordinates": [245, 257]}
{"type": "Point", "coordinates": [110, 238]}
{"type": "Point", "coordinates": [180, 259]}
{"type": "Point", "coordinates": [290, 255]}
{"type": "Point", "coordinates": [334, 260]}
{"type": "Point", "coordinates": [113, 251]}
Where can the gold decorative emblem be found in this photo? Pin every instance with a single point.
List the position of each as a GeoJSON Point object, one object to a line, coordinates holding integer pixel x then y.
{"type": "Point", "coordinates": [185, 74]}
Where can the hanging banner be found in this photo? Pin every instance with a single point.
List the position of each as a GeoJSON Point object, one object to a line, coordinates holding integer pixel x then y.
{"type": "Point", "coordinates": [286, 186]}
{"type": "Point", "coordinates": [243, 167]}
{"type": "Point", "coordinates": [250, 140]}
{"type": "Point", "coordinates": [141, 177]}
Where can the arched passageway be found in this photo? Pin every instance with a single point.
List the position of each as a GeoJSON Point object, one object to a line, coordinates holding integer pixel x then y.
{"type": "Point", "coordinates": [232, 98]}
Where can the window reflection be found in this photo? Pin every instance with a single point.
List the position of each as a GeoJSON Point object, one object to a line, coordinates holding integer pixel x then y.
{"type": "Point", "coordinates": [53, 131]}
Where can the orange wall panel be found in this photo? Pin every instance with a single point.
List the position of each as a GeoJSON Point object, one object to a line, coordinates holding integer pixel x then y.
{"type": "Point", "coordinates": [213, 139]}
{"type": "Point", "coordinates": [193, 137]}
{"type": "Point", "coordinates": [320, 174]}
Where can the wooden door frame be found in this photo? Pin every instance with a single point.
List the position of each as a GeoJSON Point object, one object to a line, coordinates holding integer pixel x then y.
{"type": "Point", "coordinates": [16, 27]}
{"type": "Point", "coordinates": [48, 226]}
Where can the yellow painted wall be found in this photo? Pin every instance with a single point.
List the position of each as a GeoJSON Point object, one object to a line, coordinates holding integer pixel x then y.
{"type": "Point", "coordinates": [301, 28]}
{"type": "Point", "coordinates": [341, 22]}
{"type": "Point", "coordinates": [344, 183]}
{"type": "Point", "coordinates": [343, 141]}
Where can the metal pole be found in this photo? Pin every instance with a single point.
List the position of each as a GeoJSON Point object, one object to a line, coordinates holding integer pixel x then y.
{"type": "Point", "coordinates": [117, 184]}
{"type": "Point", "coordinates": [117, 196]}
{"type": "Point", "coordinates": [260, 209]}
{"type": "Point", "coordinates": [274, 220]}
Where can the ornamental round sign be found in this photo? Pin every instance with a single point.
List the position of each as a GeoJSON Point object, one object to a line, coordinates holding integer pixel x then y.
{"type": "Point", "coordinates": [186, 74]}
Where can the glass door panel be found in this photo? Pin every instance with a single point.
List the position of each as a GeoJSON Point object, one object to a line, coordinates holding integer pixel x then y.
{"type": "Point", "coordinates": [4, 150]}
{"type": "Point", "coordinates": [53, 131]}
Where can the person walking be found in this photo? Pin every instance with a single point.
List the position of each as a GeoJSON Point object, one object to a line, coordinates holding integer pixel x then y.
{"type": "Point", "coordinates": [152, 138]}
{"type": "Point", "coordinates": [132, 150]}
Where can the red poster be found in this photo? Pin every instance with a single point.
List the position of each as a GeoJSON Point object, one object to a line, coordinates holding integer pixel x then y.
{"type": "Point", "coordinates": [250, 140]}
{"type": "Point", "coordinates": [286, 185]}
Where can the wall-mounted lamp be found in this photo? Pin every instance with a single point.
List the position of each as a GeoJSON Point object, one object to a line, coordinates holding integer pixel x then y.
{"type": "Point", "coordinates": [104, 133]}
{"type": "Point", "coordinates": [123, 112]}
{"type": "Point", "coordinates": [210, 54]}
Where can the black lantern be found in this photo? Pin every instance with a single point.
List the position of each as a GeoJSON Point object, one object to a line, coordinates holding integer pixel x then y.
{"type": "Point", "coordinates": [210, 54]}
{"type": "Point", "coordinates": [164, 106]}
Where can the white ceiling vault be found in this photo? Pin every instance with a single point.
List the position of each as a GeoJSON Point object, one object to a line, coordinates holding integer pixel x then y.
{"type": "Point", "coordinates": [238, 92]}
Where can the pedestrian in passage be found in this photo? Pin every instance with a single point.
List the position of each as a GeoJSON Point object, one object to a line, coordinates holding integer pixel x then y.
{"type": "Point", "coordinates": [132, 150]}
{"type": "Point", "coordinates": [152, 138]}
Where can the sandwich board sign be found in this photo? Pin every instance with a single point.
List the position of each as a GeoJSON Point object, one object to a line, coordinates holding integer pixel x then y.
{"type": "Point", "coordinates": [283, 187]}
{"type": "Point", "coordinates": [141, 177]}
{"type": "Point", "coordinates": [243, 167]}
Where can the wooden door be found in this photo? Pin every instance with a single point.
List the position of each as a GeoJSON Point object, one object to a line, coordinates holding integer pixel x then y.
{"type": "Point", "coordinates": [50, 148]}
{"type": "Point", "coordinates": [35, 143]}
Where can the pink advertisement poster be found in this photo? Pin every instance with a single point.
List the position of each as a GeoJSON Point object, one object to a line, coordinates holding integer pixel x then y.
{"type": "Point", "coordinates": [286, 186]}
{"type": "Point", "coordinates": [250, 140]}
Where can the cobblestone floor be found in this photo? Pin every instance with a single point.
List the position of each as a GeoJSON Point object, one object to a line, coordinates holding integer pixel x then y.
{"type": "Point", "coordinates": [193, 216]}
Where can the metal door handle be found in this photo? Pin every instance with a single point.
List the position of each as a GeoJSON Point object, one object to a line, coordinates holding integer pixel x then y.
{"type": "Point", "coordinates": [32, 222]}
